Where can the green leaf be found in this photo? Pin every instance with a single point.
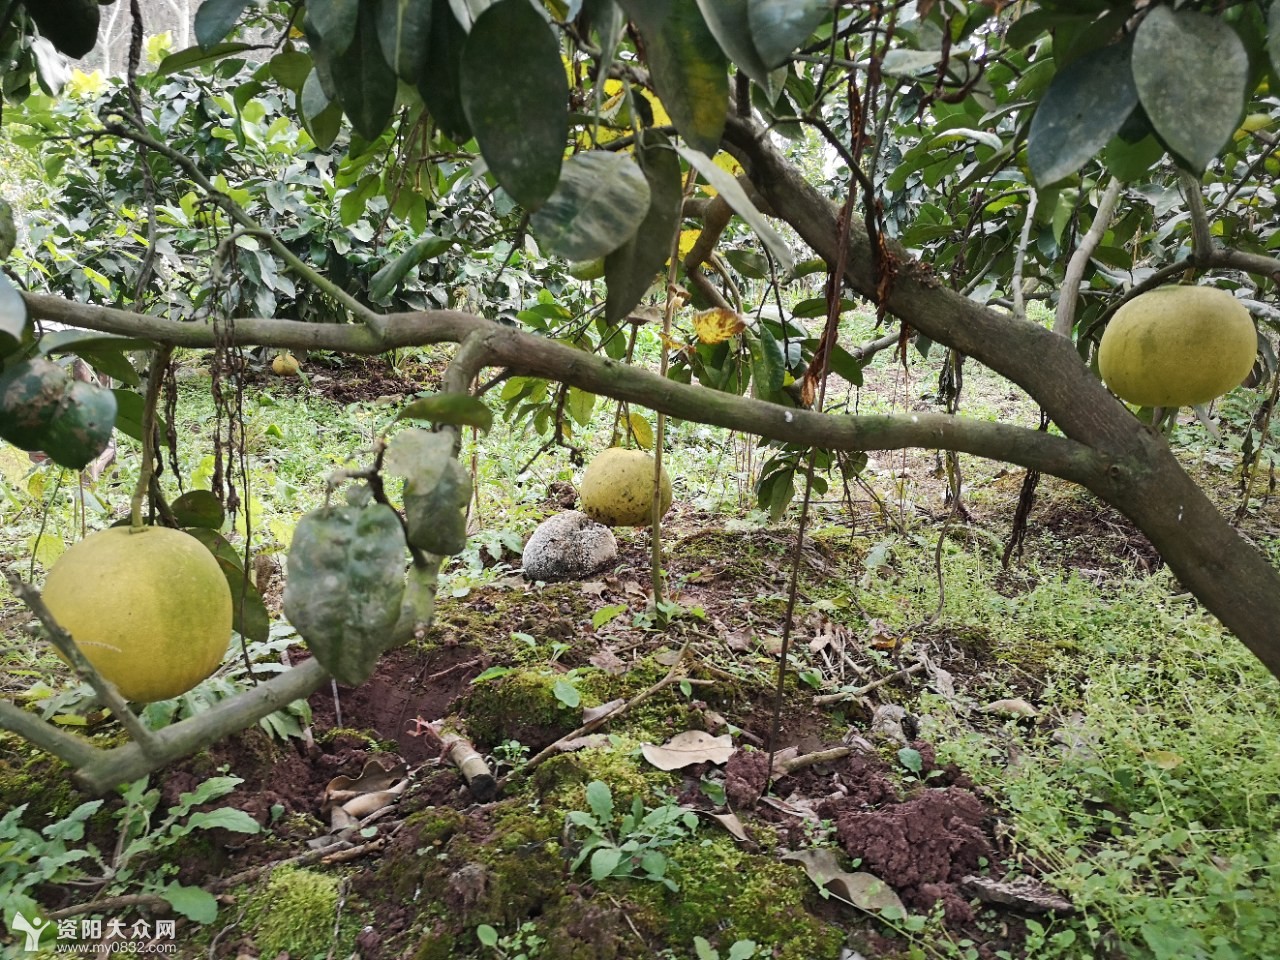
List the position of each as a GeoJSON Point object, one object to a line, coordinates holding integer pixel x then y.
{"type": "Point", "coordinates": [1273, 37]}
{"type": "Point", "coordinates": [404, 30]}
{"type": "Point", "coordinates": [365, 84]}
{"type": "Point", "coordinates": [768, 368]}
{"type": "Point", "coordinates": [1129, 161]}
{"type": "Point", "coordinates": [690, 74]}
{"type": "Point", "coordinates": [224, 818]}
{"type": "Point", "coordinates": [630, 269]}
{"type": "Point", "coordinates": [566, 693]}
{"type": "Point", "coordinates": [515, 92]}
{"type": "Point", "coordinates": [779, 26]}
{"type": "Point", "coordinates": [426, 247]}
{"type": "Point", "coordinates": [13, 313]}
{"type": "Point", "coordinates": [346, 581]}
{"type": "Point", "coordinates": [601, 199]}
{"type": "Point", "coordinates": [129, 408]}
{"type": "Point", "coordinates": [198, 508]}
{"type": "Point", "coordinates": [321, 116]}
{"type": "Point", "coordinates": [438, 83]}
{"type": "Point", "coordinates": [52, 69]}
{"type": "Point", "coordinates": [193, 57]}
{"type": "Point", "coordinates": [580, 405]}
{"type": "Point", "coordinates": [8, 229]}
{"type": "Point", "coordinates": [729, 22]}
{"type": "Point", "coordinates": [728, 187]}
{"type": "Point", "coordinates": [291, 68]}
{"type": "Point", "coordinates": [112, 363]}
{"type": "Point", "coordinates": [604, 861]}
{"type": "Point", "coordinates": [215, 18]}
{"type": "Point", "coordinates": [1191, 72]}
{"type": "Point", "coordinates": [600, 800]}
{"type": "Point", "coordinates": [1086, 105]}
{"type": "Point", "coordinates": [192, 902]}
{"type": "Point", "coordinates": [334, 21]}
{"type": "Point", "coordinates": [911, 759]}
{"type": "Point", "coordinates": [843, 364]}
{"type": "Point", "coordinates": [487, 936]}
{"type": "Point", "coordinates": [457, 409]}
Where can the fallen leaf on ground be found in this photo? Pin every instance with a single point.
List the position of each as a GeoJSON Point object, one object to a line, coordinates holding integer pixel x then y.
{"type": "Point", "coordinates": [592, 713]}
{"type": "Point", "coordinates": [1024, 893]}
{"type": "Point", "coordinates": [684, 749]}
{"type": "Point", "coordinates": [864, 890]}
{"type": "Point", "coordinates": [608, 661]}
{"type": "Point", "coordinates": [1013, 707]}
{"type": "Point", "coordinates": [731, 823]}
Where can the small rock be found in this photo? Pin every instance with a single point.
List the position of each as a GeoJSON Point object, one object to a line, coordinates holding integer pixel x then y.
{"type": "Point", "coordinates": [569, 546]}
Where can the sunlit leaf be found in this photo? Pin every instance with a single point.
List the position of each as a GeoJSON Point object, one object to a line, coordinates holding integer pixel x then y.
{"type": "Point", "coordinates": [1086, 105]}
{"type": "Point", "coordinates": [640, 429]}
{"type": "Point", "coordinates": [1191, 72]}
{"type": "Point", "coordinates": [599, 202]}
{"type": "Point", "coordinates": [514, 92]}
{"type": "Point", "coordinates": [717, 325]}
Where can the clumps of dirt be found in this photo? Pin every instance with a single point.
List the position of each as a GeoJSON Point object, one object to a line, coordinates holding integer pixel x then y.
{"type": "Point", "coordinates": [745, 777]}
{"type": "Point", "coordinates": [923, 846]}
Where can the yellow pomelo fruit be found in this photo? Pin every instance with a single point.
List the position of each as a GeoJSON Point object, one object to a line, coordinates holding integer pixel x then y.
{"type": "Point", "coordinates": [150, 610]}
{"type": "Point", "coordinates": [285, 365]}
{"type": "Point", "coordinates": [1177, 347]}
{"type": "Point", "coordinates": [617, 488]}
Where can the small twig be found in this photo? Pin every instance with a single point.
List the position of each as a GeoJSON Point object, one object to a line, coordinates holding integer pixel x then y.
{"type": "Point", "coordinates": [862, 691]}
{"type": "Point", "coordinates": [1066, 315]}
{"type": "Point", "coordinates": [786, 767]}
{"type": "Point", "coordinates": [1019, 304]}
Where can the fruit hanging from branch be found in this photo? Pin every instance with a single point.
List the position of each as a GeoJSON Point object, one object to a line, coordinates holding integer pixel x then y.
{"type": "Point", "coordinates": [149, 608]}
{"type": "Point", "coordinates": [1177, 347]}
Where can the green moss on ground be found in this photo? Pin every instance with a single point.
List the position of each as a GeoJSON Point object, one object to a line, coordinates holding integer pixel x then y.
{"type": "Point", "coordinates": [293, 913]}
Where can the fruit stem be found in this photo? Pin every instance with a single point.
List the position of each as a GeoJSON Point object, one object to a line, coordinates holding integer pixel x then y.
{"type": "Point", "coordinates": [159, 364]}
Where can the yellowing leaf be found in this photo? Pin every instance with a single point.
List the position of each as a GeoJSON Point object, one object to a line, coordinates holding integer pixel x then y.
{"type": "Point", "coordinates": [726, 163]}
{"type": "Point", "coordinates": [717, 325]}
{"type": "Point", "coordinates": [687, 239]}
{"type": "Point", "coordinates": [671, 343]}
{"type": "Point", "coordinates": [641, 430]}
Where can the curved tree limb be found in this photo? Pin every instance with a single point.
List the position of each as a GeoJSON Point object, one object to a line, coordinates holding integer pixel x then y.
{"type": "Point", "coordinates": [529, 355]}
{"type": "Point", "coordinates": [1066, 315]}
{"type": "Point", "coordinates": [1143, 480]}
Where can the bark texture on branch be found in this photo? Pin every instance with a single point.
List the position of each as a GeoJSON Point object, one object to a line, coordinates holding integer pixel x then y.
{"type": "Point", "coordinates": [1142, 478]}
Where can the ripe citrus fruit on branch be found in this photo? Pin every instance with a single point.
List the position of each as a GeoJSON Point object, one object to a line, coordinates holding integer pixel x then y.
{"type": "Point", "coordinates": [150, 610]}
{"type": "Point", "coordinates": [617, 488]}
{"type": "Point", "coordinates": [1177, 347]}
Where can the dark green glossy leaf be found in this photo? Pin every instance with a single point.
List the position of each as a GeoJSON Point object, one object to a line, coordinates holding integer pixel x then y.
{"type": "Point", "coordinates": [193, 57]}
{"type": "Point", "coordinates": [629, 270]}
{"type": "Point", "coordinates": [768, 368]}
{"type": "Point", "coordinates": [249, 616]}
{"type": "Point", "coordinates": [82, 426]}
{"type": "Point", "coordinates": [70, 25]}
{"type": "Point", "coordinates": [1273, 37]}
{"type": "Point", "coordinates": [365, 84]}
{"type": "Point", "coordinates": [215, 18]}
{"type": "Point", "coordinates": [729, 23]}
{"type": "Point", "coordinates": [737, 198]}
{"type": "Point", "coordinates": [438, 84]}
{"type": "Point", "coordinates": [129, 408]}
{"type": "Point", "coordinates": [219, 546]}
{"type": "Point", "coordinates": [198, 508]}
{"type": "Point", "coordinates": [13, 316]}
{"type": "Point", "coordinates": [404, 30]}
{"type": "Point", "coordinates": [291, 68]}
{"type": "Point", "coordinates": [1191, 72]}
{"type": "Point", "coordinates": [778, 27]}
{"type": "Point", "coordinates": [30, 398]}
{"type": "Point", "coordinates": [1130, 161]}
{"type": "Point", "coordinates": [843, 364]}
{"type": "Point", "coordinates": [514, 91]}
{"type": "Point", "coordinates": [690, 74]}
{"type": "Point", "coordinates": [434, 510]}
{"type": "Point", "coordinates": [8, 229]}
{"type": "Point", "coordinates": [466, 12]}
{"type": "Point", "coordinates": [322, 116]}
{"type": "Point", "coordinates": [648, 15]}
{"type": "Point", "coordinates": [426, 247]}
{"type": "Point", "coordinates": [600, 201]}
{"type": "Point", "coordinates": [818, 307]}
{"type": "Point", "coordinates": [748, 263]}
{"type": "Point", "coordinates": [335, 23]}
{"type": "Point", "coordinates": [113, 363]}
{"type": "Point", "coordinates": [456, 409]}
{"type": "Point", "coordinates": [1085, 106]}
{"type": "Point", "coordinates": [776, 491]}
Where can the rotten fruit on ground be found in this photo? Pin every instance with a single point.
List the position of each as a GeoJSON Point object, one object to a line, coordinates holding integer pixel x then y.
{"type": "Point", "coordinates": [1177, 346]}
{"type": "Point", "coordinates": [617, 488]}
{"type": "Point", "coordinates": [151, 609]}
{"type": "Point", "coordinates": [285, 365]}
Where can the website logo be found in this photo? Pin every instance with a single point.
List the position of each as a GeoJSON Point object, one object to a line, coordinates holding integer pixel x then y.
{"type": "Point", "coordinates": [31, 929]}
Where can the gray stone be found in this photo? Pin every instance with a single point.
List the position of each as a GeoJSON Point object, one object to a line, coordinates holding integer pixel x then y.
{"type": "Point", "coordinates": [568, 546]}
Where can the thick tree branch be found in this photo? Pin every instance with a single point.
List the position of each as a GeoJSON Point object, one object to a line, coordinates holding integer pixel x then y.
{"type": "Point", "coordinates": [1144, 480]}
{"type": "Point", "coordinates": [530, 355]}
